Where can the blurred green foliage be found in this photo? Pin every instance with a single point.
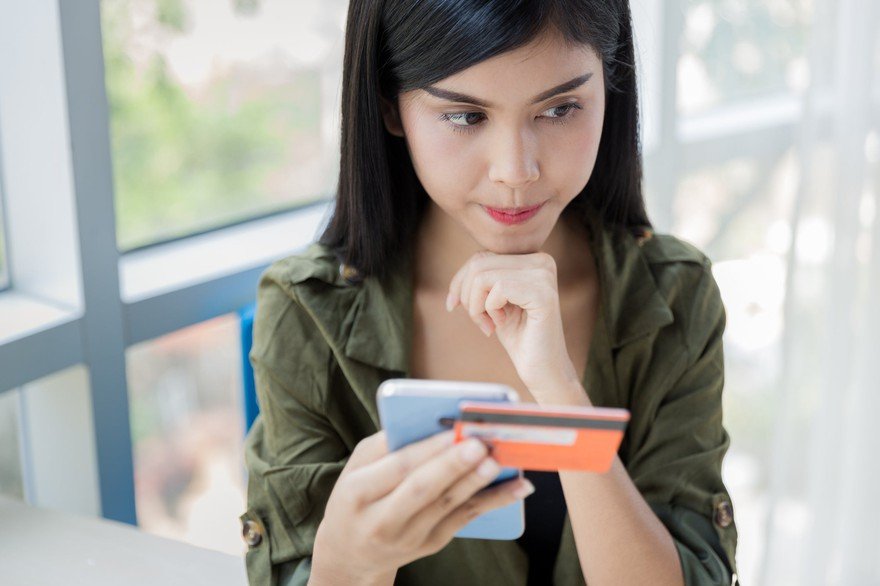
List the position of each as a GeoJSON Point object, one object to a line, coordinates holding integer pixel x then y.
{"type": "Point", "coordinates": [184, 163]}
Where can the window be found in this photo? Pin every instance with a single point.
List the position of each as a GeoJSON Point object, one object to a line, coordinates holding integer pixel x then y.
{"type": "Point", "coordinates": [219, 111]}
{"type": "Point", "coordinates": [736, 49]}
{"type": "Point", "coordinates": [739, 64]}
{"type": "Point", "coordinates": [188, 432]}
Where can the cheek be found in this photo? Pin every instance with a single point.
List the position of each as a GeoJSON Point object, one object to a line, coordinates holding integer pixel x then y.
{"type": "Point", "coordinates": [439, 159]}
{"type": "Point", "coordinates": [573, 154]}
{"type": "Point", "coordinates": [585, 142]}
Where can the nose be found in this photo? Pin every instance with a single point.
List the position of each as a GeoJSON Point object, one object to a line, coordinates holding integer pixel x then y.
{"type": "Point", "coordinates": [513, 160]}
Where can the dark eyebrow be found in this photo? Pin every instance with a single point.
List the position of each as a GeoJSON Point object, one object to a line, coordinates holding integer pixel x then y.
{"type": "Point", "coordinates": [458, 97]}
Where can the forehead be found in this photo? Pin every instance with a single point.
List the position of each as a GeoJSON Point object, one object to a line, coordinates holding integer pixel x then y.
{"type": "Point", "coordinates": [515, 77]}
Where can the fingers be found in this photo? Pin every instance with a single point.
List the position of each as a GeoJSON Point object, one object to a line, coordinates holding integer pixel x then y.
{"type": "Point", "coordinates": [495, 497]}
{"type": "Point", "coordinates": [495, 302]}
{"type": "Point", "coordinates": [424, 485]}
{"type": "Point", "coordinates": [470, 286]}
{"type": "Point", "coordinates": [455, 287]}
{"type": "Point", "coordinates": [374, 482]}
{"type": "Point", "coordinates": [464, 488]}
{"type": "Point", "coordinates": [481, 285]}
{"type": "Point", "coordinates": [528, 296]}
{"type": "Point", "coordinates": [459, 288]}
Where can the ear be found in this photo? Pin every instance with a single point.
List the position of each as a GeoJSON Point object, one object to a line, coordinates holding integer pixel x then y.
{"type": "Point", "coordinates": [391, 117]}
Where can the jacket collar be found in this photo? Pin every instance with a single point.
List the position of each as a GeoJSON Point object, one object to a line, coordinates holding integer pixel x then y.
{"type": "Point", "coordinates": [381, 330]}
{"type": "Point", "coordinates": [631, 303]}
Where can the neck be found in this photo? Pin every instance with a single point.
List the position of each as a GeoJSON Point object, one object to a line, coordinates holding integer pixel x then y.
{"type": "Point", "coordinates": [443, 246]}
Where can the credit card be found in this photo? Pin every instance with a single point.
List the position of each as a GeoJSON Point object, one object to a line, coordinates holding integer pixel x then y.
{"type": "Point", "coordinates": [548, 438]}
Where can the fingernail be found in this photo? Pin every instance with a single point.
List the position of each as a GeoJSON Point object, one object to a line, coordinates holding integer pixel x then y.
{"type": "Point", "coordinates": [486, 330]}
{"type": "Point", "coordinates": [449, 301]}
{"type": "Point", "coordinates": [524, 490]}
{"type": "Point", "coordinates": [472, 451]}
{"type": "Point", "coordinates": [488, 469]}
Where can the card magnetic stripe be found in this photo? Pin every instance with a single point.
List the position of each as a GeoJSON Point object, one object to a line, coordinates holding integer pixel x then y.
{"type": "Point", "coordinates": [580, 423]}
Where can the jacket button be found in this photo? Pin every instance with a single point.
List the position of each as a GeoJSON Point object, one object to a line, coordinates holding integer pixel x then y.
{"type": "Point", "coordinates": [349, 273]}
{"type": "Point", "coordinates": [723, 514]}
{"type": "Point", "coordinates": [251, 533]}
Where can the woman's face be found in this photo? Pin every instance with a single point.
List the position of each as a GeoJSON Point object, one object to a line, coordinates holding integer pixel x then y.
{"type": "Point", "coordinates": [491, 139]}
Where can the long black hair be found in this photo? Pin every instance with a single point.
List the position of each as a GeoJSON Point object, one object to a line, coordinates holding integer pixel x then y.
{"type": "Point", "coordinates": [393, 46]}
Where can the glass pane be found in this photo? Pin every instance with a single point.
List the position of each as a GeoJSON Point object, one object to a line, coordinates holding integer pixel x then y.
{"type": "Point", "coordinates": [10, 455]}
{"type": "Point", "coordinates": [219, 111]}
{"type": "Point", "coordinates": [188, 433]}
{"type": "Point", "coordinates": [736, 49]}
{"type": "Point", "coordinates": [739, 213]}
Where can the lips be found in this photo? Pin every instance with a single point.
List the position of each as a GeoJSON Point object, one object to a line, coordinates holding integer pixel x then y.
{"type": "Point", "coordinates": [514, 211]}
{"type": "Point", "coordinates": [510, 216]}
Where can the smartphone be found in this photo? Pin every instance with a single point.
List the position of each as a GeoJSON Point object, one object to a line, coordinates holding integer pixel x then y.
{"type": "Point", "coordinates": [411, 410]}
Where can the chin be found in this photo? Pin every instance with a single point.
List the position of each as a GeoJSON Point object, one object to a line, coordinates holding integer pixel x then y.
{"type": "Point", "coordinates": [512, 244]}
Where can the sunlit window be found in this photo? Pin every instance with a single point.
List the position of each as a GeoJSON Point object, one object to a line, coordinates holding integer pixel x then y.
{"type": "Point", "coordinates": [737, 49]}
{"type": "Point", "coordinates": [219, 111]}
{"type": "Point", "coordinates": [739, 213]}
{"type": "Point", "coordinates": [188, 433]}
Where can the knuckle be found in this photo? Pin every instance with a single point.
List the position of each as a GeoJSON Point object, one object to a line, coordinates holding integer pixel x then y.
{"type": "Point", "coordinates": [349, 491]}
{"type": "Point", "coordinates": [344, 482]}
{"type": "Point", "coordinates": [378, 533]}
{"type": "Point", "coordinates": [417, 489]}
{"type": "Point", "coordinates": [470, 510]}
{"type": "Point", "coordinates": [366, 443]}
{"type": "Point", "coordinates": [445, 501]}
{"type": "Point", "coordinates": [402, 466]}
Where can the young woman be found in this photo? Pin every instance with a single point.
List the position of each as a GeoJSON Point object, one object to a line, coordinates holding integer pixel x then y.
{"type": "Point", "coordinates": [489, 226]}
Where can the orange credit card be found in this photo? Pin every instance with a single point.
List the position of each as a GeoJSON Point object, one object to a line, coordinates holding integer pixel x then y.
{"type": "Point", "coordinates": [549, 437]}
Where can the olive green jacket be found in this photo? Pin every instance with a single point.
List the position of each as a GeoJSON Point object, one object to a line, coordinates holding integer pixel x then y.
{"type": "Point", "coordinates": [323, 343]}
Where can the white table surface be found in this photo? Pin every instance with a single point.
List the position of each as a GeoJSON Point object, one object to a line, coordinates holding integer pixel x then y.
{"type": "Point", "coordinates": [41, 547]}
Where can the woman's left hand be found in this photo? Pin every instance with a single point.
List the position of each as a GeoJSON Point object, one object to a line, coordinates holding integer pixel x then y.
{"type": "Point", "coordinates": [517, 297]}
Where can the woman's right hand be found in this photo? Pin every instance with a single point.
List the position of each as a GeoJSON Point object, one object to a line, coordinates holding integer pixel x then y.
{"type": "Point", "coordinates": [388, 509]}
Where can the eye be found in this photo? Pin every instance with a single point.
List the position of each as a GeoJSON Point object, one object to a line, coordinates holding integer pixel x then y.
{"type": "Point", "coordinates": [567, 114]}
{"type": "Point", "coordinates": [458, 121]}
{"type": "Point", "coordinates": [465, 122]}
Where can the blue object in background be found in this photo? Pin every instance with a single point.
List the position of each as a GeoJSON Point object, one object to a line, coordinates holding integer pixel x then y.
{"type": "Point", "coordinates": [251, 408]}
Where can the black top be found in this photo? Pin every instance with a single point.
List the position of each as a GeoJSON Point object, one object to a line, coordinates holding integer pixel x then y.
{"type": "Point", "coordinates": [545, 512]}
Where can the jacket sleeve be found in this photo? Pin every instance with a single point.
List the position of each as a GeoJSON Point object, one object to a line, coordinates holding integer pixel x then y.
{"type": "Point", "coordinates": [677, 464]}
{"type": "Point", "coordinates": [292, 453]}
